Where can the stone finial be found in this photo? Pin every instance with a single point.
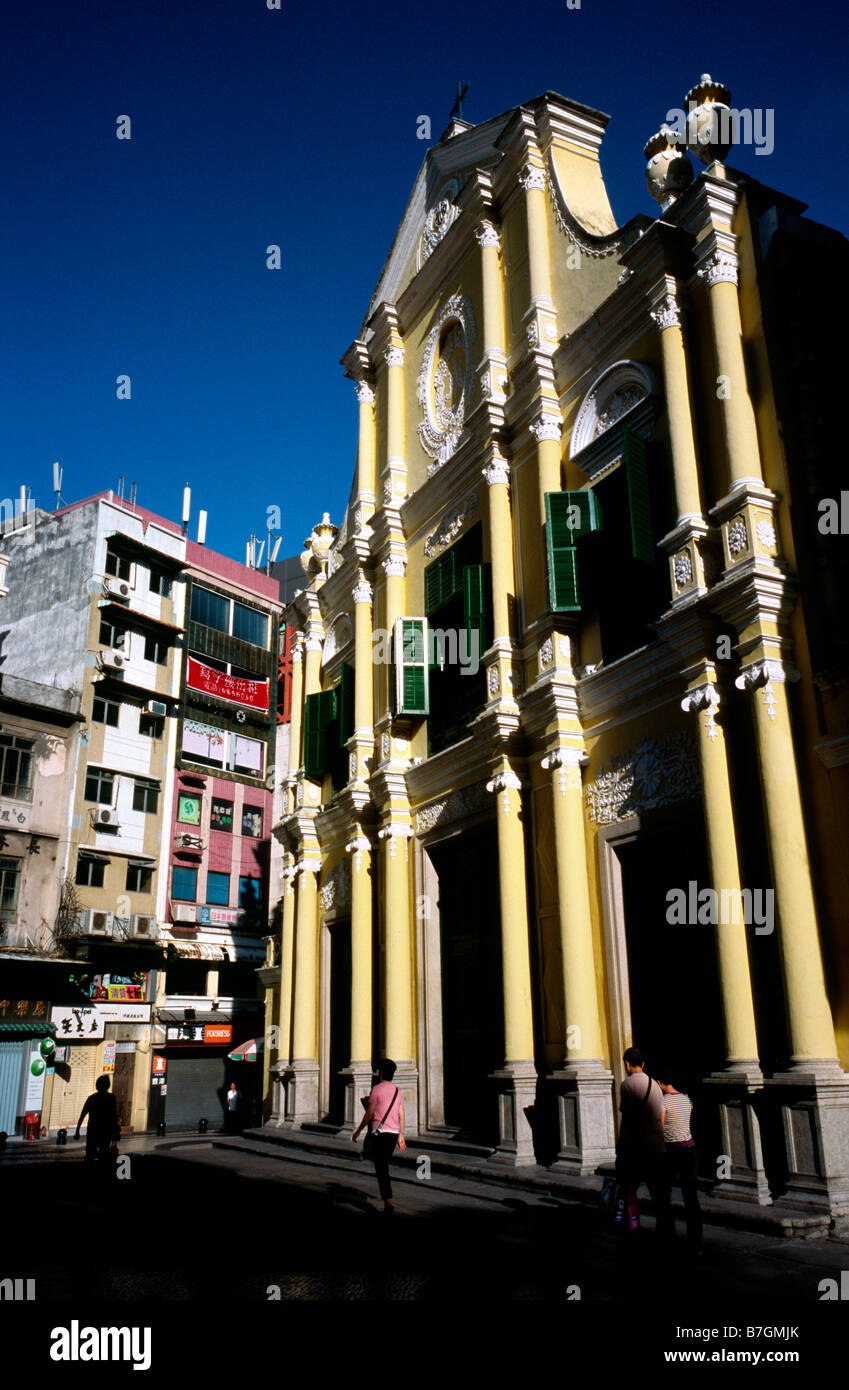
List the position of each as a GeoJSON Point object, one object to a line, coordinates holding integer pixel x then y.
{"type": "Point", "coordinates": [668, 171]}
{"type": "Point", "coordinates": [709, 133]}
{"type": "Point", "coordinates": [316, 546]}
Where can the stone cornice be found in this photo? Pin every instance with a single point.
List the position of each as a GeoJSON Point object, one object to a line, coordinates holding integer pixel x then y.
{"type": "Point", "coordinates": [630, 688]}
{"type": "Point", "coordinates": [467, 761]}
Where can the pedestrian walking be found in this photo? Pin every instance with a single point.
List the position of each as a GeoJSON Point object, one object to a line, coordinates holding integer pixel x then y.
{"type": "Point", "coordinates": [385, 1119]}
{"type": "Point", "coordinates": [102, 1131]}
{"type": "Point", "coordinates": [233, 1102]}
{"type": "Point", "coordinates": [682, 1158]}
{"type": "Point", "coordinates": [641, 1147]}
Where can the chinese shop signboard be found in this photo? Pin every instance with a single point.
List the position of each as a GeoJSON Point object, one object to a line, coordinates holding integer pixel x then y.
{"type": "Point", "coordinates": [236, 690]}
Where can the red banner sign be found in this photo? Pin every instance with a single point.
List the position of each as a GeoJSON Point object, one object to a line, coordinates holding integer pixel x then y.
{"type": "Point", "coordinates": [235, 689]}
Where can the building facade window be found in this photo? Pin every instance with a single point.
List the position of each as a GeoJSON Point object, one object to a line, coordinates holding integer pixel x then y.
{"type": "Point", "coordinates": [209, 609]}
{"type": "Point", "coordinates": [221, 815]}
{"type": "Point", "coordinates": [10, 881]}
{"type": "Point", "coordinates": [250, 899]}
{"type": "Point", "coordinates": [218, 889]}
{"type": "Point", "coordinates": [105, 711]}
{"type": "Point", "coordinates": [203, 743]}
{"type": "Point", "coordinates": [16, 767]}
{"type": "Point", "coordinates": [90, 871]}
{"type": "Point", "coordinates": [139, 877]}
{"type": "Point", "coordinates": [229, 616]}
{"type": "Point", "coordinates": [151, 725]}
{"type": "Point", "coordinates": [99, 785]}
{"type": "Point", "coordinates": [160, 583]}
{"type": "Point", "coordinates": [118, 565]}
{"type": "Point", "coordinates": [252, 821]}
{"type": "Point", "coordinates": [184, 884]}
{"type": "Point", "coordinates": [250, 625]}
{"type": "Point", "coordinates": [146, 797]}
{"type": "Point", "coordinates": [156, 650]}
{"type": "Point", "coordinates": [112, 634]}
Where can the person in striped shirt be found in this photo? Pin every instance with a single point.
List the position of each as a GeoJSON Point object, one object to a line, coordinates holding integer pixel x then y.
{"type": "Point", "coordinates": [682, 1157]}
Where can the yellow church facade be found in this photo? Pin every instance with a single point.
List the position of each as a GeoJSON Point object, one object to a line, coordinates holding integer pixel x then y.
{"type": "Point", "coordinates": [554, 784]}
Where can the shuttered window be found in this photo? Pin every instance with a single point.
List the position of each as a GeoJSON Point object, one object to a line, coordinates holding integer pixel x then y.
{"type": "Point", "coordinates": [320, 713]}
{"type": "Point", "coordinates": [642, 532]}
{"type": "Point", "coordinates": [569, 515]}
{"type": "Point", "coordinates": [410, 653]}
{"type": "Point", "coordinates": [477, 608]}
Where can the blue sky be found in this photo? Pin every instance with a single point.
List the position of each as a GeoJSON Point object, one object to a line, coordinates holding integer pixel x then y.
{"type": "Point", "coordinates": [297, 127]}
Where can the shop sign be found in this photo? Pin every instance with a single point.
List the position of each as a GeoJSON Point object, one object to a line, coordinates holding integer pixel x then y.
{"type": "Point", "coordinates": [210, 1034]}
{"type": "Point", "coordinates": [124, 1013]}
{"type": "Point", "coordinates": [236, 690]}
{"type": "Point", "coordinates": [109, 1055]}
{"type": "Point", "coordinates": [160, 1064]}
{"type": "Point", "coordinates": [218, 916]}
{"type": "Point", "coordinates": [218, 1033]}
{"type": "Point", "coordinates": [23, 1008]}
{"type": "Point", "coordinates": [125, 1047]}
{"type": "Point", "coordinates": [77, 1024]}
{"type": "Point", "coordinates": [15, 816]}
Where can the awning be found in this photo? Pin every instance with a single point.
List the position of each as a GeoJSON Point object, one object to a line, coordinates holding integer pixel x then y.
{"type": "Point", "coordinates": [27, 1030]}
{"type": "Point", "coordinates": [247, 1052]}
{"type": "Point", "coordinates": [194, 950]}
{"type": "Point", "coordinates": [93, 854]}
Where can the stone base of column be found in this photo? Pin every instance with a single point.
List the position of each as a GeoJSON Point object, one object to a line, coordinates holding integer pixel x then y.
{"type": "Point", "coordinates": [517, 1086]}
{"type": "Point", "coordinates": [406, 1078]}
{"type": "Point", "coordinates": [301, 1082]}
{"type": "Point", "coordinates": [814, 1097]}
{"type": "Point", "coordinates": [360, 1079]}
{"type": "Point", "coordinates": [277, 1078]}
{"type": "Point", "coordinates": [735, 1093]}
{"type": "Point", "coordinates": [585, 1113]}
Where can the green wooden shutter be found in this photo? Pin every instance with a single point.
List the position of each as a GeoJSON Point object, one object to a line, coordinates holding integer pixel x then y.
{"type": "Point", "coordinates": [639, 503]}
{"type": "Point", "coordinates": [441, 580]}
{"type": "Point", "coordinates": [410, 651]}
{"type": "Point", "coordinates": [569, 515]}
{"type": "Point", "coordinates": [477, 607]}
{"type": "Point", "coordinates": [320, 712]}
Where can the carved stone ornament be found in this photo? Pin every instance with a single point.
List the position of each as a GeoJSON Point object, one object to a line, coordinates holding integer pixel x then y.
{"type": "Point", "coordinates": [614, 392]}
{"type": "Point", "coordinates": [546, 652]}
{"type": "Point", "coordinates": [298, 648]}
{"type": "Point", "coordinates": [668, 313]}
{"type": "Point", "coordinates": [314, 642]}
{"type": "Point", "coordinates": [352, 767]}
{"type": "Point", "coordinates": [501, 785]}
{"type": "Point", "coordinates": [394, 356]}
{"type": "Point", "coordinates": [668, 170]}
{"type": "Point", "coordinates": [387, 489]}
{"type": "Point", "coordinates": [760, 676]}
{"type": "Point", "coordinates": [766, 533]}
{"type": "Point", "coordinates": [494, 680]}
{"type": "Point", "coordinates": [738, 537]}
{"type": "Point", "coordinates": [682, 568]}
{"type": "Point", "coordinates": [566, 764]}
{"type": "Point", "coordinates": [395, 567]}
{"type": "Point", "coordinates": [531, 178]}
{"type": "Point", "coordinates": [653, 774]}
{"type": "Point", "coordinates": [546, 427]}
{"type": "Point", "coordinates": [336, 892]}
{"type": "Point", "coordinates": [705, 697]}
{"type": "Point", "coordinates": [444, 387]}
{"type": "Point", "coordinates": [438, 221]}
{"type": "Point", "coordinates": [392, 833]}
{"type": "Point", "coordinates": [451, 525]}
{"type": "Point", "coordinates": [533, 334]}
{"type": "Point", "coordinates": [385, 745]}
{"type": "Point", "coordinates": [721, 268]}
{"type": "Point", "coordinates": [466, 801]}
{"type": "Point", "coordinates": [497, 472]}
{"type": "Point", "coordinates": [362, 592]}
{"type": "Point", "coordinates": [486, 234]}
{"type": "Point", "coordinates": [365, 393]}
{"type": "Point", "coordinates": [357, 847]}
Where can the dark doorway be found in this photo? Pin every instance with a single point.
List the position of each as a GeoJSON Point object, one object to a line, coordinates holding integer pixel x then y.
{"type": "Point", "coordinates": [676, 1006]}
{"type": "Point", "coordinates": [472, 995]}
{"type": "Point", "coordinates": [340, 1016]}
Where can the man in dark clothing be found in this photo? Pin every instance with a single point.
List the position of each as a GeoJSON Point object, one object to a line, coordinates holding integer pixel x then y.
{"type": "Point", "coordinates": [102, 1111]}
{"type": "Point", "coordinates": [641, 1147]}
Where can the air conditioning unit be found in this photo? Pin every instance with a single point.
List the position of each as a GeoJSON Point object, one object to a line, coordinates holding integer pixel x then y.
{"type": "Point", "coordinates": [113, 659]}
{"type": "Point", "coordinates": [156, 707]}
{"type": "Point", "coordinates": [190, 841]}
{"type": "Point", "coordinates": [118, 588]}
{"type": "Point", "coordinates": [94, 922]}
{"type": "Point", "coordinates": [184, 912]}
{"type": "Point", "coordinates": [105, 815]}
{"type": "Point", "coordinates": [144, 928]}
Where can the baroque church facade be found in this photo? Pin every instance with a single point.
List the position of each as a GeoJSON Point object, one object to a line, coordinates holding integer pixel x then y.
{"type": "Point", "coordinates": [567, 763]}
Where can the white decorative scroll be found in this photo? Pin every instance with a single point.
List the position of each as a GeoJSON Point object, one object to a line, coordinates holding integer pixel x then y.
{"type": "Point", "coordinates": [501, 785]}
{"type": "Point", "coordinates": [444, 387]}
{"type": "Point", "coordinates": [498, 471]}
{"type": "Point", "coordinates": [546, 427]}
{"type": "Point", "coordinates": [721, 268]}
{"type": "Point", "coordinates": [336, 892]}
{"type": "Point", "coordinates": [466, 801]}
{"type": "Point", "coordinates": [704, 697]}
{"type": "Point", "coordinates": [668, 313]}
{"type": "Point", "coordinates": [532, 178]}
{"type": "Point", "coordinates": [486, 234]}
{"type": "Point", "coordinates": [760, 675]}
{"type": "Point", "coordinates": [394, 356]}
{"type": "Point", "coordinates": [567, 762]}
{"type": "Point", "coordinates": [394, 566]}
{"type": "Point", "coordinates": [392, 832]}
{"type": "Point", "coordinates": [357, 847]}
{"type": "Point", "coordinates": [365, 393]}
{"type": "Point", "coordinates": [653, 774]}
{"type": "Point", "coordinates": [451, 525]}
{"type": "Point", "coordinates": [362, 592]}
{"type": "Point", "coordinates": [619, 387]}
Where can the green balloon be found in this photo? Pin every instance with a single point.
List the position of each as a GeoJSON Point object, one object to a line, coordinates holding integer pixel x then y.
{"type": "Point", "coordinates": [38, 1066]}
{"type": "Point", "coordinates": [47, 1047]}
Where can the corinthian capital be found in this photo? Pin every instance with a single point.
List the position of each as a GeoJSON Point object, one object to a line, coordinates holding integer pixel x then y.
{"type": "Point", "coordinates": [668, 313]}
{"type": "Point", "coordinates": [394, 356]}
{"type": "Point", "coordinates": [365, 393]}
{"type": "Point", "coordinates": [721, 267]}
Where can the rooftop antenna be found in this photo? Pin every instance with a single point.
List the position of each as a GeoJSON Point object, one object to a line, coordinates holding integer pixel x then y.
{"type": "Point", "coordinates": [272, 554]}
{"type": "Point", "coordinates": [187, 507]}
{"type": "Point", "coordinates": [258, 556]}
{"type": "Point", "coordinates": [201, 528]}
{"type": "Point", "coordinates": [133, 490]}
{"type": "Point", "coordinates": [58, 470]}
{"type": "Point", "coordinates": [249, 552]}
{"type": "Point", "coordinates": [121, 481]}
